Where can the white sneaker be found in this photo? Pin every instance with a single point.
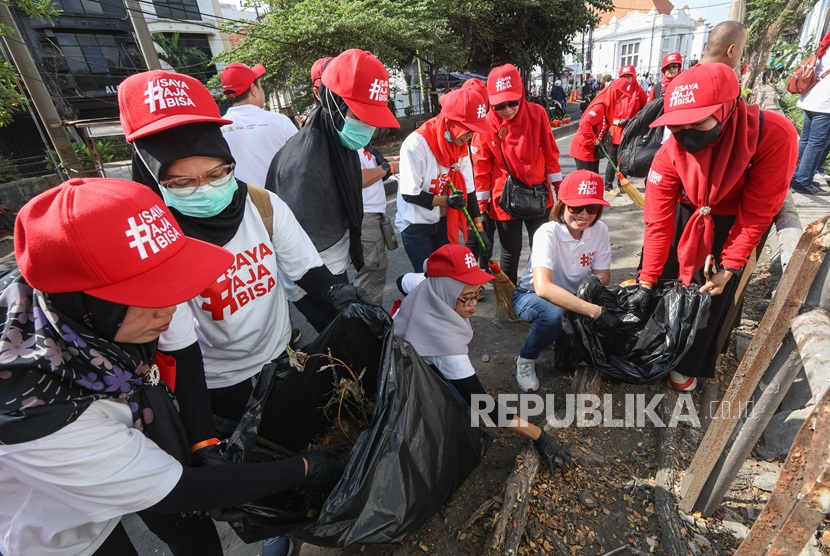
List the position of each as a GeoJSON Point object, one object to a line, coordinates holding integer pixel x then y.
{"type": "Point", "coordinates": [682, 383]}
{"type": "Point", "coordinates": [821, 175]}
{"type": "Point", "coordinates": [526, 374]}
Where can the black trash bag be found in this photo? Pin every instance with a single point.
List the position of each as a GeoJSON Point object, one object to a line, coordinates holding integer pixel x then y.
{"type": "Point", "coordinates": [417, 451]}
{"type": "Point", "coordinates": [633, 351]}
{"type": "Point", "coordinates": [640, 142]}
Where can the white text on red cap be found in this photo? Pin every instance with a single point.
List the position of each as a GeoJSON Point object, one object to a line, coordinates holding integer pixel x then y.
{"type": "Point", "coordinates": [503, 83]}
{"type": "Point", "coordinates": [587, 187]}
{"type": "Point", "coordinates": [379, 90]}
{"type": "Point", "coordinates": [164, 93]}
{"type": "Point", "coordinates": [481, 112]}
{"type": "Point", "coordinates": [683, 94]}
{"type": "Point", "coordinates": [470, 260]}
{"type": "Point", "coordinates": [150, 228]}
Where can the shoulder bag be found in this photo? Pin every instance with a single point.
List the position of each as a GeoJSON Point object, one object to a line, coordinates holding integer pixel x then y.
{"type": "Point", "coordinates": [520, 200]}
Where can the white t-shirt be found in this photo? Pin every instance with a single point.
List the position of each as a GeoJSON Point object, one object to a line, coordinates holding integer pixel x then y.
{"type": "Point", "coordinates": [254, 137]}
{"type": "Point", "coordinates": [817, 99]}
{"type": "Point", "coordinates": [242, 319]}
{"type": "Point", "coordinates": [374, 196]}
{"type": "Point", "coordinates": [65, 493]}
{"type": "Point", "coordinates": [571, 260]}
{"type": "Point", "coordinates": [421, 172]}
{"type": "Point", "coordinates": [452, 367]}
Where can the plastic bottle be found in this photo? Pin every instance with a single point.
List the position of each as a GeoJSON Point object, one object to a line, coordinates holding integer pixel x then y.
{"type": "Point", "coordinates": [388, 233]}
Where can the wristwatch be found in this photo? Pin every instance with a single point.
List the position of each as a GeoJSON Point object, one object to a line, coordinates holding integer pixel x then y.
{"type": "Point", "coordinates": [734, 271]}
{"type": "Point", "coordinates": [386, 166]}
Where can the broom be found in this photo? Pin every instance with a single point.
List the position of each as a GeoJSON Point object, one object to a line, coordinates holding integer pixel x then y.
{"type": "Point", "coordinates": [502, 285]}
{"type": "Point", "coordinates": [630, 190]}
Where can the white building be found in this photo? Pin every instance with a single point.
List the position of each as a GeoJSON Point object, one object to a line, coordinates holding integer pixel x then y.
{"type": "Point", "coordinates": [639, 34]}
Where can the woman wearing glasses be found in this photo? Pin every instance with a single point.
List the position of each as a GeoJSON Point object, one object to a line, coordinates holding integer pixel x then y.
{"type": "Point", "coordinates": [521, 145]}
{"type": "Point", "coordinates": [671, 67]}
{"type": "Point", "coordinates": [240, 322]}
{"type": "Point", "coordinates": [435, 319]}
{"type": "Point", "coordinates": [573, 245]}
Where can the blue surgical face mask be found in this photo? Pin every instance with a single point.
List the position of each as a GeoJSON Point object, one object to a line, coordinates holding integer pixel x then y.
{"type": "Point", "coordinates": [208, 199]}
{"type": "Point", "coordinates": [355, 134]}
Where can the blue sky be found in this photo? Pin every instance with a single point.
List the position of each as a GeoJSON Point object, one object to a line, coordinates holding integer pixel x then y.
{"type": "Point", "coordinates": [713, 11]}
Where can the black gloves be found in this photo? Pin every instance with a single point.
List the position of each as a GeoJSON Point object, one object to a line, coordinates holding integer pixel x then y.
{"type": "Point", "coordinates": [473, 245]}
{"type": "Point", "coordinates": [456, 200]}
{"type": "Point", "coordinates": [554, 453]}
{"type": "Point", "coordinates": [209, 455]}
{"type": "Point", "coordinates": [606, 319]}
{"type": "Point", "coordinates": [639, 303]}
{"type": "Point", "coordinates": [322, 474]}
{"type": "Point", "coordinates": [340, 296]}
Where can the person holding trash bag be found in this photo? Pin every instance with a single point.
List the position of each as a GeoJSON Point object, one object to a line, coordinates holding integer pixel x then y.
{"type": "Point", "coordinates": [520, 150]}
{"type": "Point", "coordinates": [573, 245]}
{"type": "Point", "coordinates": [432, 157]}
{"type": "Point", "coordinates": [713, 190]}
{"type": "Point", "coordinates": [435, 319]}
{"type": "Point", "coordinates": [240, 322]}
{"type": "Point", "coordinates": [103, 265]}
{"type": "Point", "coordinates": [671, 67]}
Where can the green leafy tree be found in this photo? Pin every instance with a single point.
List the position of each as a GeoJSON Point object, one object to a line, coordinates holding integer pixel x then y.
{"type": "Point", "coordinates": [187, 60]}
{"type": "Point", "coordinates": [11, 97]}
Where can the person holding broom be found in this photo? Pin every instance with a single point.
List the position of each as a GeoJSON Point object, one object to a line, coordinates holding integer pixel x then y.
{"type": "Point", "coordinates": [713, 190]}
{"type": "Point", "coordinates": [434, 156]}
{"type": "Point", "coordinates": [594, 125]}
{"type": "Point", "coordinates": [435, 319]}
{"type": "Point", "coordinates": [521, 146]}
{"type": "Point", "coordinates": [566, 250]}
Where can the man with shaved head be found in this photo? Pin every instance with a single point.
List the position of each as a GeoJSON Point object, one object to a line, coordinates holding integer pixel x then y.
{"type": "Point", "coordinates": [726, 44]}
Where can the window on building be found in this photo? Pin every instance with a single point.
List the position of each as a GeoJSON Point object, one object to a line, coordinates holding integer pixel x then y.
{"type": "Point", "coordinates": [80, 6]}
{"type": "Point", "coordinates": [630, 54]}
{"type": "Point", "coordinates": [199, 42]}
{"type": "Point", "coordinates": [178, 9]}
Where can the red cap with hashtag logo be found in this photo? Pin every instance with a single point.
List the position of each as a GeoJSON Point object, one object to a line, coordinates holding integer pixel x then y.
{"type": "Point", "coordinates": [113, 239]}
{"type": "Point", "coordinates": [237, 78]}
{"type": "Point", "coordinates": [628, 70]}
{"type": "Point", "coordinates": [362, 81]}
{"type": "Point", "coordinates": [504, 84]}
{"type": "Point", "coordinates": [671, 58]}
{"type": "Point", "coordinates": [468, 108]}
{"type": "Point", "coordinates": [581, 188]}
{"type": "Point", "coordinates": [153, 101]}
{"type": "Point", "coordinates": [456, 261]}
{"type": "Point", "coordinates": [317, 70]}
{"type": "Point", "coordinates": [698, 93]}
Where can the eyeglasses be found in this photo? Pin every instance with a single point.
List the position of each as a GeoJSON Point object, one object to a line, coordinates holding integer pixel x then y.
{"type": "Point", "coordinates": [672, 66]}
{"type": "Point", "coordinates": [471, 299]}
{"type": "Point", "coordinates": [187, 185]}
{"type": "Point", "coordinates": [590, 209]}
{"type": "Point", "coordinates": [502, 105]}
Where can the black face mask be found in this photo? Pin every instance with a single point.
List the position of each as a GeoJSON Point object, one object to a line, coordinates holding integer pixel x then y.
{"type": "Point", "coordinates": [694, 140]}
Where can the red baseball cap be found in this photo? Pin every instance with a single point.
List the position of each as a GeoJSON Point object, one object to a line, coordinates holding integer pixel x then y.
{"type": "Point", "coordinates": [153, 101]}
{"type": "Point", "coordinates": [237, 78]}
{"type": "Point", "coordinates": [581, 188]}
{"type": "Point", "coordinates": [504, 83]}
{"type": "Point", "coordinates": [627, 70]}
{"type": "Point", "coordinates": [468, 108]}
{"type": "Point", "coordinates": [317, 70]}
{"type": "Point", "coordinates": [362, 81]}
{"type": "Point", "coordinates": [671, 58]}
{"type": "Point", "coordinates": [456, 261]}
{"type": "Point", "coordinates": [697, 93]}
{"type": "Point", "coordinates": [113, 239]}
{"type": "Point", "coordinates": [478, 86]}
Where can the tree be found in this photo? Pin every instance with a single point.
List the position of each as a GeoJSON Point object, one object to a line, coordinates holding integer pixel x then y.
{"type": "Point", "coordinates": [11, 97]}
{"type": "Point", "coordinates": [787, 16]}
{"type": "Point", "coordinates": [187, 60]}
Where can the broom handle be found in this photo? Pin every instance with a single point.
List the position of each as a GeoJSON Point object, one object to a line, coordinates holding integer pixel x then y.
{"type": "Point", "coordinates": [471, 223]}
{"type": "Point", "coordinates": [623, 180]}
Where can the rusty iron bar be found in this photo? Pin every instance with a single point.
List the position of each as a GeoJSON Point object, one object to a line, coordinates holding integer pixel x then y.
{"type": "Point", "coordinates": [787, 300]}
{"type": "Point", "coordinates": [788, 229]}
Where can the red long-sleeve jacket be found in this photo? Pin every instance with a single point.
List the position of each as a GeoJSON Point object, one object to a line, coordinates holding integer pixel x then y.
{"type": "Point", "coordinates": [592, 126]}
{"type": "Point", "coordinates": [627, 109]}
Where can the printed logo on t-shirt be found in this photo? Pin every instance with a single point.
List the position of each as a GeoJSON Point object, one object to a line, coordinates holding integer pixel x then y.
{"type": "Point", "coordinates": [243, 282]}
{"type": "Point", "coordinates": [379, 90]}
{"type": "Point", "coordinates": [164, 93]}
{"type": "Point", "coordinates": [592, 113]}
{"type": "Point", "coordinates": [654, 177]}
{"type": "Point", "coordinates": [482, 111]}
{"type": "Point", "coordinates": [503, 83]}
{"type": "Point", "coordinates": [150, 229]}
{"type": "Point", "coordinates": [587, 187]}
{"type": "Point", "coordinates": [683, 94]}
{"type": "Point", "coordinates": [438, 186]}
{"type": "Point", "coordinates": [473, 150]}
{"type": "Point", "coordinates": [587, 258]}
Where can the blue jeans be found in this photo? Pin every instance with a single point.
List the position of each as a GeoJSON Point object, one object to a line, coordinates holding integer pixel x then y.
{"type": "Point", "coordinates": [815, 135]}
{"type": "Point", "coordinates": [421, 240]}
{"type": "Point", "coordinates": [545, 319]}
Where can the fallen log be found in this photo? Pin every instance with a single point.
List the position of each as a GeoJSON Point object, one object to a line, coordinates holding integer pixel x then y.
{"type": "Point", "coordinates": [510, 525]}
{"type": "Point", "coordinates": [672, 540]}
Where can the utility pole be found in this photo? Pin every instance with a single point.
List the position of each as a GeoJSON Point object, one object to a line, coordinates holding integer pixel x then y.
{"type": "Point", "coordinates": [142, 34]}
{"type": "Point", "coordinates": [737, 10]}
{"type": "Point", "coordinates": [39, 93]}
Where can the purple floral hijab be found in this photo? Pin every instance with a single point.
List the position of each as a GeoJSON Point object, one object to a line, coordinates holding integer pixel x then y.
{"type": "Point", "coordinates": [52, 367]}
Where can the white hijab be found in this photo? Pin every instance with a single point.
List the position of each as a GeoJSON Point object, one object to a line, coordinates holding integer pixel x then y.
{"type": "Point", "coordinates": [427, 319]}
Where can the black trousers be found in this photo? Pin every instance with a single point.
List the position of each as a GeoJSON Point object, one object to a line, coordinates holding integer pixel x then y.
{"type": "Point", "coordinates": [510, 238]}
{"type": "Point", "coordinates": [587, 165]}
{"type": "Point", "coordinates": [610, 175]}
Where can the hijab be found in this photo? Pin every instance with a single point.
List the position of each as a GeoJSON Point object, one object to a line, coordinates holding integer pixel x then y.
{"type": "Point", "coordinates": [708, 177]}
{"type": "Point", "coordinates": [154, 154]}
{"type": "Point", "coordinates": [427, 319]}
{"type": "Point", "coordinates": [448, 155]}
{"type": "Point", "coordinates": [528, 136]}
{"type": "Point", "coordinates": [58, 355]}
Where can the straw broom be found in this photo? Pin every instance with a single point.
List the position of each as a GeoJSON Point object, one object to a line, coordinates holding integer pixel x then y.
{"type": "Point", "coordinates": [630, 190]}
{"type": "Point", "coordinates": [502, 285]}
